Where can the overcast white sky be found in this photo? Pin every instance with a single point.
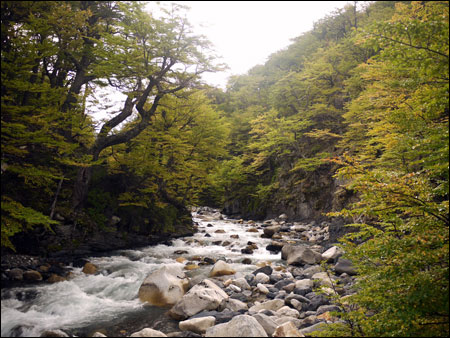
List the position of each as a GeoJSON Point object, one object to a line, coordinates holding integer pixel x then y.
{"type": "Point", "coordinates": [245, 33]}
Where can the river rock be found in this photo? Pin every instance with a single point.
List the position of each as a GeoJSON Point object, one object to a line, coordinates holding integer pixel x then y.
{"type": "Point", "coordinates": [309, 272]}
{"type": "Point", "coordinates": [272, 305]}
{"type": "Point", "coordinates": [89, 268]}
{"type": "Point", "coordinates": [233, 305]}
{"type": "Point", "coordinates": [315, 300]}
{"type": "Point", "coordinates": [315, 327]}
{"type": "Point", "coordinates": [54, 333]}
{"type": "Point", "coordinates": [247, 251]}
{"type": "Point", "coordinates": [239, 326]}
{"type": "Point", "coordinates": [332, 254]}
{"type": "Point", "coordinates": [197, 325]}
{"type": "Point", "coordinates": [221, 269]}
{"type": "Point", "coordinates": [164, 287]}
{"type": "Point", "coordinates": [271, 230]}
{"type": "Point", "coordinates": [287, 329]}
{"type": "Point", "coordinates": [147, 332]}
{"type": "Point", "coordinates": [345, 266]}
{"type": "Point", "coordinates": [283, 217]}
{"type": "Point", "coordinates": [54, 278]}
{"type": "Point", "coordinates": [285, 319]}
{"type": "Point", "coordinates": [324, 279]}
{"type": "Point", "coordinates": [275, 246]}
{"type": "Point", "coordinates": [242, 283]}
{"type": "Point", "coordinates": [287, 311]}
{"type": "Point", "coordinates": [203, 296]}
{"type": "Point", "coordinates": [266, 322]}
{"type": "Point", "coordinates": [300, 255]}
{"type": "Point", "coordinates": [262, 288]}
{"type": "Point", "coordinates": [261, 278]}
{"type": "Point", "coordinates": [32, 275]}
{"type": "Point", "coordinates": [265, 269]}
{"type": "Point", "coordinates": [296, 304]}
{"type": "Point", "coordinates": [15, 274]}
{"type": "Point", "coordinates": [327, 308]}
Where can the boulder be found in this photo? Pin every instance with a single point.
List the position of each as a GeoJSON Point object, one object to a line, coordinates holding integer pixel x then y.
{"type": "Point", "coordinates": [272, 305]}
{"type": "Point", "coordinates": [315, 327]}
{"type": "Point", "coordinates": [287, 311]}
{"type": "Point", "coordinates": [262, 288]}
{"type": "Point", "coordinates": [282, 217]}
{"type": "Point", "coordinates": [164, 287]}
{"type": "Point", "coordinates": [323, 278]}
{"type": "Point", "coordinates": [197, 325]}
{"type": "Point", "coordinates": [308, 272]}
{"type": "Point", "coordinates": [332, 254]}
{"type": "Point", "coordinates": [327, 308]}
{"type": "Point", "coordinates": [266, 269]}
{"type": "Point", "coordinates": [261, 278]}
{"type": "Point", "coordinates": [271, 230]}
{"type": "Point", "coordinates": [345, 266]}
{"type": "Point", "coordinates": [32, 275]}
{"type": "Point", "coordinates": [266, 322]}
{"type": "Point", "coordinates": [275, 246]}
{"type": "Point", "coordinates": [54, 333]}
{"type": "Point", "coordinates": [300, 255]}
{"type": "Point", "coordinates": [89, 268]}
{"type": "Point", "coordinates": [54, 278]}
{"type": "Point", "coordinates": [304, 284]}
{"type": "Point", "coordinates": [221, 269]}
{"type": "Point", "coordinates": [203, 296]}
{"type": "Point", "coordinates": [15, 274]}
{"type": "Point", "coordinates": [242, 283]}
{"type": "Point", "coordinates": [296, 304]}
{"type": "Point", "coordinates": [287, 329]}
{"type": "Point", "coordinates": [239, 326]}
{"type": "Point", "coordinates": [233, 305]}
{"type": "Point", "coordinates": [285, 319]}
{"type": "Point", "coordinates": [147, 332]}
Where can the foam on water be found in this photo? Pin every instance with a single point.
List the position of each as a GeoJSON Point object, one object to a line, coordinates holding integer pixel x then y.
{"type": "Point", "coordinates": [113, 293]}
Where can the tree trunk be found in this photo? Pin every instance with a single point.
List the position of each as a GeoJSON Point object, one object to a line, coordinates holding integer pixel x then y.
{"type": "Point", "coordinates": [81, 187]}
{"type": "Point", "coordinates": [52, 209]}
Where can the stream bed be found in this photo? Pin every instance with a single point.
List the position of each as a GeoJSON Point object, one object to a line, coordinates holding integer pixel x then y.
{"type": "Point", "coordinates": [108, 301]}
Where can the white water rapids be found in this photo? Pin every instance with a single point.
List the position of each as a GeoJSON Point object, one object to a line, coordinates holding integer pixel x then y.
{"type": "Point", "coordinates": [87, 303]}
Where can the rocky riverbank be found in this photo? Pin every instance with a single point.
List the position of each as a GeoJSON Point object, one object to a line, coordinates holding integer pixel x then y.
{"type": "Point", "coordinates": [213, 295]}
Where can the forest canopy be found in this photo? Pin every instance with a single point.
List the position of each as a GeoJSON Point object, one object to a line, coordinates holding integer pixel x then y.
{"type": "Point", "coordinates": [349, 124]}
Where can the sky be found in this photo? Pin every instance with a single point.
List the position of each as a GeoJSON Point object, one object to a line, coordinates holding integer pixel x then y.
{"type": "Point", "coordinates": [243, 33]}
{"type": "Point", "coordinates": [246, 33]}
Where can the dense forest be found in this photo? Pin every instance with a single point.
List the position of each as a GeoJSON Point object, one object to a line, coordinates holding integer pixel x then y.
{"type": "Point", "coordinates": [349, 123]}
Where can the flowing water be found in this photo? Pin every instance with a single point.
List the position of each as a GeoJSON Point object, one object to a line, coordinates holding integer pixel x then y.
{"type": "Point", "coordinates": [108, 301]}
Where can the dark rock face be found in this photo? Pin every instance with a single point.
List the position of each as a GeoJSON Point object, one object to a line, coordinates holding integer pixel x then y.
{"type": "Point", "coordinates": [318, 193]}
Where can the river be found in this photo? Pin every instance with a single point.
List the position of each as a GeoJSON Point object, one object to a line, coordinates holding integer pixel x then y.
{"type": "Point", "coordinates": [108, 301]}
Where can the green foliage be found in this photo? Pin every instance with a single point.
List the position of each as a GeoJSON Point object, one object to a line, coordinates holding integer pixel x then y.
{"type": "Point", "coordinates": [17, 218]}
{"type": "Point", "coordinates": [176, 154]}
{"type": "Point", "coordinates": [399, 168]}
{"type": "Point", "coordinates": [55, 58]}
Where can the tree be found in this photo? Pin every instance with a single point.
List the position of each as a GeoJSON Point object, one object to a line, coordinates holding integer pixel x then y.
{"type": "Point", "coordinates": [153, 58]}
{"type": "Point", "coordinates": [174, 155]}
{"type": "Point", "coordinates": [399, 168]}
{"type": "Point", "coordinates": [35, 72]}
{"type": "Point", "coordinates": [54, 56]}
